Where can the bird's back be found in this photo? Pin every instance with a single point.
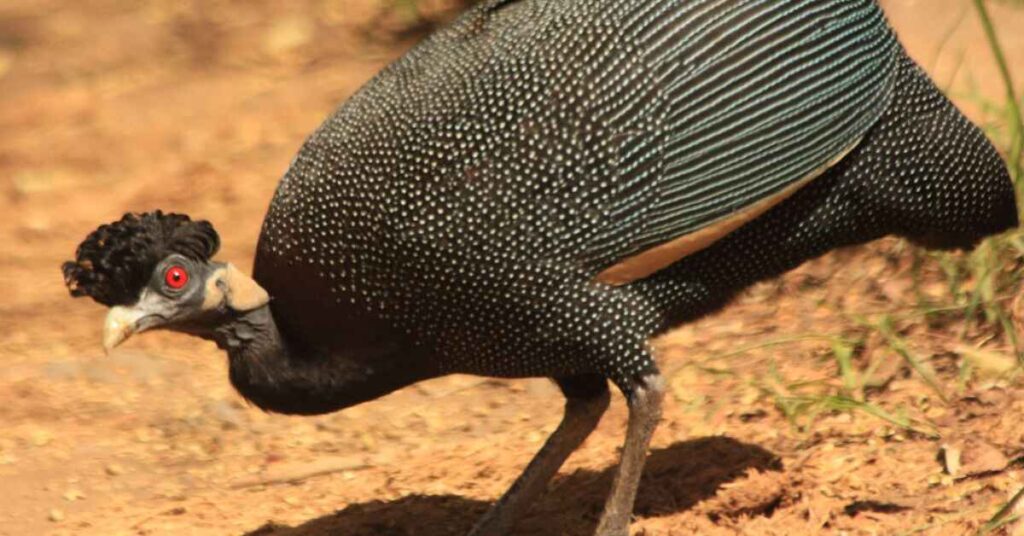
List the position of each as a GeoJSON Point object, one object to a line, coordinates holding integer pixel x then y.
{"type": "Point", "coordinates": [571, 133]}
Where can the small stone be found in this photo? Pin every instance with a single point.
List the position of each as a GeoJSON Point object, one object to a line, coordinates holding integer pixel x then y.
{"type": "Point", "coordinates": [56, 515]}
{"type": "Point", "coordinates": [227, 414]}
{"type": "Point", "coordinates": [287, 35]}
{"type": "Point", "coordinates": [73, 495]}
{"type": "Point", "coordinates": [41, 438]}
{"type": "Point", "coordinates": [6, 61]}
{"type": "Point", "coordinates": [113, 469]}
{"type": "Point", "coordinates": [951, 459]}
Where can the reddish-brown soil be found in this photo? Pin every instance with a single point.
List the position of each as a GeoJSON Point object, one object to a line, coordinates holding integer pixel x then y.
{"type": "Point", "coordinates": [198, 106]}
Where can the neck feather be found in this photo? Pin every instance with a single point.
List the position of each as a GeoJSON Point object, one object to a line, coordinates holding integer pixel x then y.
{"type": "Point", "coordinates": [283, 376]}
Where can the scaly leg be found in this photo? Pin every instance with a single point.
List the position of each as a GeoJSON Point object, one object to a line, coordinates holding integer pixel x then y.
{"type": "Point", "coordinates": [644, 413]}
{"type": "Point", "coordinates": [586, 400]}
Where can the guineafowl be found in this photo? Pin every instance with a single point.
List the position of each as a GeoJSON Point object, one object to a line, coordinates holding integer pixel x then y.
{"type": "Point", "coordinates": [539, 188]}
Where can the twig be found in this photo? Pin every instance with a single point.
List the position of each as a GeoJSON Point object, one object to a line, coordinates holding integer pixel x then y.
{"type": "Point", "coordinates": [177, 510]}
{"type": "Point", "coordinates": [295, 472]}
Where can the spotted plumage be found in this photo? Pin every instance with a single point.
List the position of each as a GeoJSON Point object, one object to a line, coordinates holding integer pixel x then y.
{"type": "Point", "coordinates": [507, 198]}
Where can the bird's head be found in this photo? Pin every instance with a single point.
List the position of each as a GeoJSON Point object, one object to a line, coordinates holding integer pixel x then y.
{"type": "Point", "coordinates": [155, 271]}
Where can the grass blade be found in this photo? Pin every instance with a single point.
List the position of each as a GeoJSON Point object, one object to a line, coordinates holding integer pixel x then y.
{"type": "Point", "coordinates": [1017, 129]}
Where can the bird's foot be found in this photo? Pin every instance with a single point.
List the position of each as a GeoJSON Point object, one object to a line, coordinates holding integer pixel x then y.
{"type": "Point", "coordinates": [644, 413]}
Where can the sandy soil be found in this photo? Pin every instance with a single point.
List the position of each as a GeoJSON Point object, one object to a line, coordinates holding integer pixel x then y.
{"type": "Point", "coordinates": [198, 106]}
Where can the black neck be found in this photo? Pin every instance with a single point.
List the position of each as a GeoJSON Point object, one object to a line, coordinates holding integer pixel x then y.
{"type": "Point", "coordinates": [284, 378]}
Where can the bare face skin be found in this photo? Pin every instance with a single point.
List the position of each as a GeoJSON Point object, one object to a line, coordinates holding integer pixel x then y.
{"type": "Point", "coordinates": [180, 294]}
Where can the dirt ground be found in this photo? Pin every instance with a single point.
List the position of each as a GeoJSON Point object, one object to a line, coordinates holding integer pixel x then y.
{"type": "Point", "coordinates": [198, 106]}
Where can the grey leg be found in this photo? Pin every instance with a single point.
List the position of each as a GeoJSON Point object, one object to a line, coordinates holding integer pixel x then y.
{"type": "Point", "coordinates": [586, 400]}
{"type": "Point", "coordinates": [644, 413]}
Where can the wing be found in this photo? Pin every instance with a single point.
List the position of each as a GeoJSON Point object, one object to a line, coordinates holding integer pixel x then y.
{"type": "Point", "coordinates": [760, 97]}
{"type": "Point", "coordinates": [622, 135]}
{"type": "Point", "coordinates": [748, 101]}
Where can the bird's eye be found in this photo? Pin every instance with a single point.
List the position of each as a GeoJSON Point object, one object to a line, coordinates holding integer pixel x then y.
{"type": "Point", "coordinates": [176, 277]}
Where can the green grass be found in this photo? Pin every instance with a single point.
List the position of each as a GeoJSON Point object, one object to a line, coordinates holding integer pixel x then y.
{"type": "Point", "coordinates": [1004, 516]}
{"type": "Point", "coordinates": [987, 262]}
{"type": "Point", "coordinates": [984, 282]}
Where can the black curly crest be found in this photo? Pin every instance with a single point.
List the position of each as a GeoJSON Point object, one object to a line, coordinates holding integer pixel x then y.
{"type": "Point", "coordinates": [115, 261]}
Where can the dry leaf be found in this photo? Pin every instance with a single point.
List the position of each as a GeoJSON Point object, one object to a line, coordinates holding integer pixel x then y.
{"type": "Point", "coordinates": [980, 457]}
{"type": "Point", "coordinates": [972, 457]}
{"type": "Point", "coordinates": [989, 364]}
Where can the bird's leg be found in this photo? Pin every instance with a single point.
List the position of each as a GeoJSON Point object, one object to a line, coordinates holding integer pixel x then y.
{"type": "Point", "coordinates": [644, 413]}
{"type": "Point", "coordinates": [586, 400]}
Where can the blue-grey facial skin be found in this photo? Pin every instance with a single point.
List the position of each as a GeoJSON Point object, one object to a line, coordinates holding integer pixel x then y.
{"type": "Point", "coordinates": [179, 309]}
{"type": "Point", "coordinates": [199, 298]}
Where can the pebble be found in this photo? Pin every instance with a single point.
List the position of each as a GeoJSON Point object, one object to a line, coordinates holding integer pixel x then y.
{"type": "Point", "coordinates": [73, 495]}
{"type": "Point", "coordinates": [41, 438]}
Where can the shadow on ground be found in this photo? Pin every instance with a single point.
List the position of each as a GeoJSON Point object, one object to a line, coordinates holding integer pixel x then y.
{"type": "Point", "coordinates": [675, 479]}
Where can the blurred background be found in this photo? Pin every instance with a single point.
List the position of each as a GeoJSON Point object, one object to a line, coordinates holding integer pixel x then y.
{"type": "Point", "coordinates": [875, 391]}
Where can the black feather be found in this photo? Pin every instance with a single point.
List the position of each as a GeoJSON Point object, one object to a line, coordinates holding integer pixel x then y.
{"type": "Point", "coordinates": [115, 261]}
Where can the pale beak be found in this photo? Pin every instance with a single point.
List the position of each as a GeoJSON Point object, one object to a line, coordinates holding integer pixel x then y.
{"type": "Point", "coordinates": [120, 324]}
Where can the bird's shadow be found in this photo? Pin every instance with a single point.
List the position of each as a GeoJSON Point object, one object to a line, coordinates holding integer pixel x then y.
{"type": "Point", "coordinates": [675, 479]}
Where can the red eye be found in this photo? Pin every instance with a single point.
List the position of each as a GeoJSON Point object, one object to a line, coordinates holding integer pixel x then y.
{"type": "Point", "coordinates": [176, 277]}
